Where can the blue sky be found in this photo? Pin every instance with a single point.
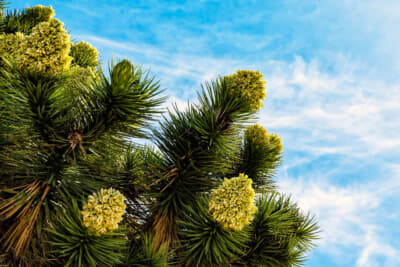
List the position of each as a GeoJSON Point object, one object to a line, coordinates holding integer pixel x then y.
{"type": "Point", "coordinates": [333, 95]}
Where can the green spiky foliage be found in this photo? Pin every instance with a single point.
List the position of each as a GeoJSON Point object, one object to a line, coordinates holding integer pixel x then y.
{"type": "Point", "coordinates": [67, 136]}
{"type": "Point", "coordinates": [2, 4]}
{"type": "Point", "coordinates": [260, 155]}
{"type": "Point", "coordinates": [24, 20]}
{"type": "Point", "coordinates": [84, 55]}
{"type": "Point", "coordinates": [76, 245]}
{"type": "Point", "coordinates": [56, 136]}
{"type": "Point", "coordinates": [144, 253]}
{"type": "Point", "coordinates": [280, 233]}
{"type": "Point", "coordinates": [206, 242]}
{"type": "Point", "coordinates": [190, 143]}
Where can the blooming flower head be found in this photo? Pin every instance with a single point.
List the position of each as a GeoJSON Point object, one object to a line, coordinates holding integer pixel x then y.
{"type": "Point", "coordinates": [46, 49]}
{"type": "Point", "coordinates": [259, 137]}
{"type": "Point", "coordinates": [10, 44]}
{"type": "Point", "coordinates": [232, 203]}
{"type": "Point", "coordinates": [39, 13]}
{"type": "Point", "coordinates": [249, 86]}
{"type": "Point", "coordinates": [104, 210]}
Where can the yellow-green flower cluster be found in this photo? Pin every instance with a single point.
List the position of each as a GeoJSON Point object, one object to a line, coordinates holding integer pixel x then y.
{"type": "Point", "coordinates": [259, 137]}
{"type": "Point", "coordinates": [46, 49]}
{"type": "Point", "coordinates": [249, 85]}
{"type": "Point", "coordinates": [104, 210]}
{"type": "Point", "coordinates": [10, 44]}
{"type": "Point", "coordinates": [84, 55]}
{"type": "Point", "coordinates": [232, 203]}
{"type": "Point", "coordinates": [39, 13]}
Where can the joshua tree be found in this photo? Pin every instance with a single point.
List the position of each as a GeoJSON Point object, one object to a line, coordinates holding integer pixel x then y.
{"type": "Point", "coordinates": [75, 189]}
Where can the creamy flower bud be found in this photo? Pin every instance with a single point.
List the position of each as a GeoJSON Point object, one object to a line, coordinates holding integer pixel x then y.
{"type": "Point", "coordinates": [232, 203]}
{"type": "Point", "coordinates": [104, 210]}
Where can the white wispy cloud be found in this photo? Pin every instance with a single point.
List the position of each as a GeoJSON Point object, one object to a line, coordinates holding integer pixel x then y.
{"type": "Point", "coordinates": [350, 116]}
{"type": "Point", "coordinates": [341, 111]}
{"type": "Point", "coordinates": [318, 112]}
{"type": "Point", "coordinates": [331, 113]}
{"type": "Point", "coordinates": [351, 217]}
{"type": "Point", "coordinates": [84, 10]}
{"type": "Point", "coordinates": [181, 73]}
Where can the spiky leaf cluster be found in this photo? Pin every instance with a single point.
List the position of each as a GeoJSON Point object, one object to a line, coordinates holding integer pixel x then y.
{"type": "Point", "coordinates": [61, 127]}
{"type": "Point", "coordinates": [104, 210]}
{"type": "Point", "coordinates": [280, 233]}
{"type": "Point", "coordinates": [25, 20]}
{"type": "Point", "coordinates": [39, 13]}
{"type": "Point", "coordinates": [232, 203]}
{"type": "Point", "coordinates": [260, 155]}
{"type": "Point", "coordinates": [76, 245]}
{"type": "Point", "coordinates": [144, 253]}
{"type": "Point", "coordinates": [198, 147]}
{"type": "Point", "coordinates": [205, 242]}
{"type": "Point", "coordinates": [84, 55]}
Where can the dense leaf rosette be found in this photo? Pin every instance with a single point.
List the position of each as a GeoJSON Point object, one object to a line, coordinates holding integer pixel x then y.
{"type": "Point", "coordinates": [260, 155]}
{"type": "Point", "coordinates": [84, 55]}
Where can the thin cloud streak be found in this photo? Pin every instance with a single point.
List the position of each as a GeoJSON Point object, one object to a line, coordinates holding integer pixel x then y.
{"type": "Point", "coordinates": [350, 217]}
{"type": "Point", "coordinates": [327, 102]}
